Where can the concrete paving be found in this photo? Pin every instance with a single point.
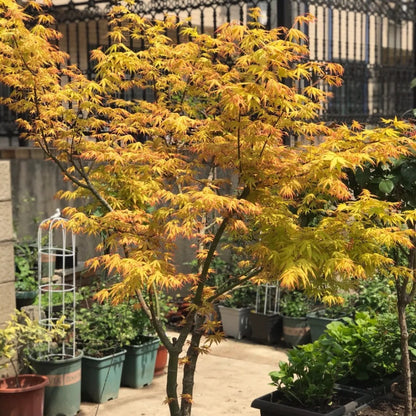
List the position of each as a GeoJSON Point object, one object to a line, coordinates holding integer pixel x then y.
{"type": "Point", "coordinates": [227, 380]}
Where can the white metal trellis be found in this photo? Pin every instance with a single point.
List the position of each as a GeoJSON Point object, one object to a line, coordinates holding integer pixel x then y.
{"type": "Point", "coordinates": [268, 299]}
{"type": "Point", "coordinates": [55, 242]}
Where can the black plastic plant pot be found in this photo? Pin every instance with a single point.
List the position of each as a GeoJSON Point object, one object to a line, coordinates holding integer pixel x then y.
{"type": "Point", "coordinates": [265, 329]}
{"type": "Point", "coordinates": [66, 258]}
{"type": "Point", "coordinates": [271, 405]}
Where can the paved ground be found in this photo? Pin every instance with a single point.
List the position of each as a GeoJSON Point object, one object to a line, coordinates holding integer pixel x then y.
{"type": "Point", "coordinates": [227, 381]}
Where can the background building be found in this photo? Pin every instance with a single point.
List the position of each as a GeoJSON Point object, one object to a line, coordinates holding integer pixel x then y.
{"type": "Point", "coordinates": [373, 39]}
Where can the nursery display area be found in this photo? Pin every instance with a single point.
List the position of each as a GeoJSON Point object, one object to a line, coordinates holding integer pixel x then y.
{"type": "Point", "coordinates": [354, 350]}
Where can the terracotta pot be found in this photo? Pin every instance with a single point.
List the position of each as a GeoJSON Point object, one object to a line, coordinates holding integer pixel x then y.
{"type": "Point", "coordinates": [24, 400]}
{"type": "Point", "coordinates": [161, 360]}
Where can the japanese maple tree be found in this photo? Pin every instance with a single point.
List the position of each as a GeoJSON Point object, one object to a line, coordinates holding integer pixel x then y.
{"type": "Point", "coordinates": [203, 157]}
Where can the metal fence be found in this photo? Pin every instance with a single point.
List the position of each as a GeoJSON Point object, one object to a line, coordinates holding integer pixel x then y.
{"type": "Point", "coordinates": [372, 39]}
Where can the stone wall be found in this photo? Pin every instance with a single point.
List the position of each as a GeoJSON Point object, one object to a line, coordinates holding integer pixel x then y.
{"type": "Point", "coordinates": [7, 303]}
{"type": "Point", "coordinates": [34, 183]}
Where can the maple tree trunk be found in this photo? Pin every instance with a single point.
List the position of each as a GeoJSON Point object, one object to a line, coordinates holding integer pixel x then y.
{"type": "Point", "coordinates": [172, 383]}
{"type": "Point", "coordinates": [404, 347]}
{"type": "Point", "coordinates": [190, 366]}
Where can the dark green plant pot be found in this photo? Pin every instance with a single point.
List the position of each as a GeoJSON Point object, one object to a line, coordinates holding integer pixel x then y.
{"type": "Point", "coordinates": [25, 298]}
{"type": "Point", "coordinates": [266, 329]}
{"type": "Point", "coordinates": [318, 324]}
{"type": "Point", "coordinates": [139, 366]}
{"type": "Point", "coordinates": [296, 330]}
{"type": "Point", "coordinates": [235, 321]}
{"type": "Point", "coordinates": [101, 377]}
{"type": "Point", "coordinates": [63, 393]}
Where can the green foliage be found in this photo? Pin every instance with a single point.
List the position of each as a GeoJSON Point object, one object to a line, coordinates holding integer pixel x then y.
{"type": "Point", "coordinates": [26, 262]}
{"type": "Point", "coordinates": [361, 350]}
{"type": "Point", "coordinates": [21, 335]}
{"type": "Point", "coordinates": [334, 312]}
{"type": "Point", "coordinates": [309, 376]}
{"type": "Point", "coordinates": [376, 295]}
{"type": "Point", "coordinates": [56, 299]}
{"type": "Point", "coordinates": [103, 328]}
{"type": "Point", "coordinates": [367, 352]}
{"type": "Point", "coordinates": [395, 181]}
{"type": "Point", "coordinates": [242, 297]}
{"type": "Point", "coordinates": [295, 304]}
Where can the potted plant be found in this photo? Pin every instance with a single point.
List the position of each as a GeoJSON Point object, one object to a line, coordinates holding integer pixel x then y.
{"type": "Point", "coordinates": [103, 329]}
{"type": "Point", "coordinates": [23, 393]}
{"type": "Point", "coordinates": [25, 260]}
{"type": "Point", "coordinates": [356, 357]}
{"type": "Point", "coordinates": [139, 365]}
{"type": "Point", "coordinates": [266, 320]}
{"type": "Point", "coordinates": [62, 366]}
{"type": "Point", "coordinates": [368, 348]}
{"type": "Point", "coordinates": [145, 355]}
{"type": "Point", "coordinates": [306, 385]}
{"type": "Point", "coordinates": [319, 319]}
{"type": "Point", "coordinates": [234, 311]}
{"type": "Point", "coordinates": [141, 350]}
{"type": "Point", "coordinates": [294, 308]}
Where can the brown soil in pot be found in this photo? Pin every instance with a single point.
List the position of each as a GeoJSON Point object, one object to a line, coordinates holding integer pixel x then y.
{"type": "Point", "coordinates": [385, 407]}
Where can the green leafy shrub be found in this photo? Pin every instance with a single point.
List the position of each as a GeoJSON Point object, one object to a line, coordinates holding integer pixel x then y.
{"type": "Point", "coordinates": [57, 298]}
{"type": "Point", "coordinates": [376, 295]}
{"type": "Point", "coordinates": [308, 378]}
{"type": "Point", "coordinates": [295, 304]}
{"type": "Point", "coordinates": [25, 261]}
{"type": "Point", "coordinates": [20, 337]}
{"type": "Point", "coordinates": [367, 351]}
{"type": "Point", "coordinates": [103, 328]}
{"type": "Point", "coordinates": [242, 296]}
{"type": "Point", "coordinates": [361, 350]}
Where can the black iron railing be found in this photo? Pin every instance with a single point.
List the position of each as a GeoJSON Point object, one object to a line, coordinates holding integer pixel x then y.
{"type": "Point", "coordinates": [372, 39]}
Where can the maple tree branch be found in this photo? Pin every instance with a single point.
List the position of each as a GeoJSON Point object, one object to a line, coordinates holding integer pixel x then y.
{"type": "Point", "coordinates": [43, 144]}
{"type": "Point", "coordinates": [240, 166]}
{"type": "Point", "coordinates": [211, 252]}
{"type": "Point", "coordinates": [233, 283]}
{"type": "Point", "coordinates": [152, 315]}
{"type": "Point", "coordinates": [87, 185]}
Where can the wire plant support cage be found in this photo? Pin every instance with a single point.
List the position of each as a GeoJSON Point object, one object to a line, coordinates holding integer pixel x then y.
{"type": "Point", "coordinates": [56, 281]}
{"type": "Point", "coordinates": [268, 299]}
